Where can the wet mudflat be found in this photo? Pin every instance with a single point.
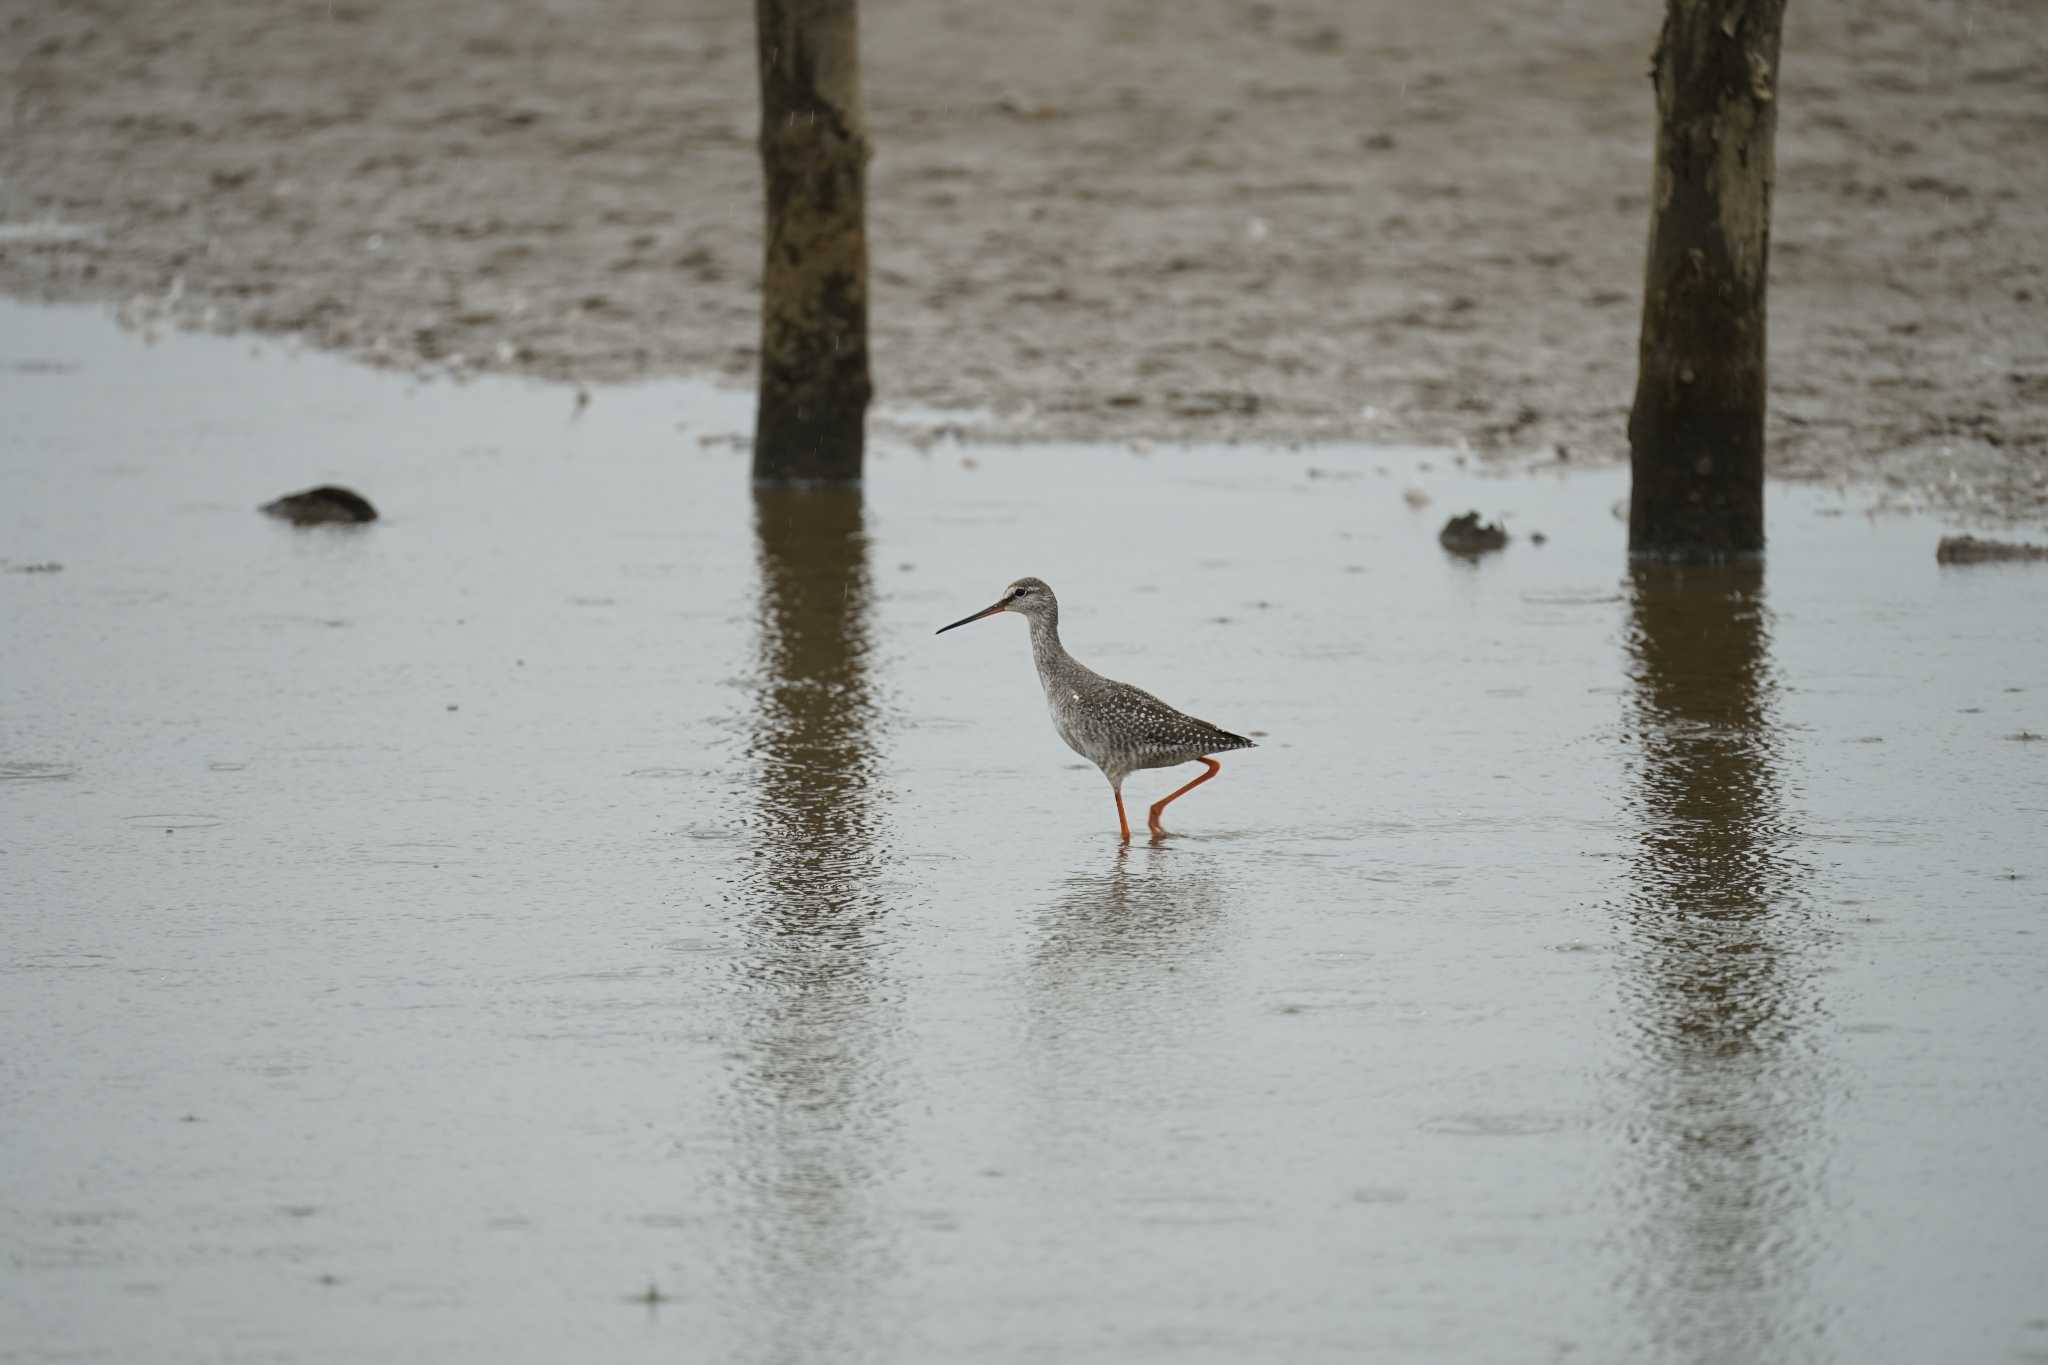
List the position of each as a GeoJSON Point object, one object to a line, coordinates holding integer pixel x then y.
{"type": "Point", "coordinates": [1367, 219]}
{"type": "Point", "coordinates": [421, 939]}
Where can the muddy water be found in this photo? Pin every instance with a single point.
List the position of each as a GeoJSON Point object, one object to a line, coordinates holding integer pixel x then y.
{"type": "Point", "coordinates": [420, 942]}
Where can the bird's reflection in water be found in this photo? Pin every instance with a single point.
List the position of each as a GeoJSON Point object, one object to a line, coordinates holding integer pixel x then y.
{"type": "Point", "coordinates": [1149, 906]}
{"type": "Point", "coordinates": [816, 1089]}
{"type": "Point", "coordinates": [1721, 956]}
{"type": "Point", "coordinates": [1126, 979]}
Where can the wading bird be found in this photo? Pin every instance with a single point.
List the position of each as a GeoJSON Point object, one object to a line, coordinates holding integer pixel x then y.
{"type": "Point", "coordinates": [1117, 727]}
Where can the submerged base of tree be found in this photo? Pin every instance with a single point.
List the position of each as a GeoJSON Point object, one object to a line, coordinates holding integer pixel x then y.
{"type": "Point", "coordinates": [1696, 554]}
{"type": "Point", "coordinates": [794, 449]}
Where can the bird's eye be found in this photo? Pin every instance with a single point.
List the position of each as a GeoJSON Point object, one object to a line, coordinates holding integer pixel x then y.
{"type": "Point", "coordinates": [1020, 592]}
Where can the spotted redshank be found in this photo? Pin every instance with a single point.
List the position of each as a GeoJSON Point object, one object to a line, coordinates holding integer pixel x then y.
{"type": "Point", "coordinates": [1117, 727]}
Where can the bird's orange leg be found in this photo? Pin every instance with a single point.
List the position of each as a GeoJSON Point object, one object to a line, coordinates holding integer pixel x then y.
{"type": "Point", "coordinates": [1121, 823]}
{"type": "Point", "coordinates": [1214, 768]}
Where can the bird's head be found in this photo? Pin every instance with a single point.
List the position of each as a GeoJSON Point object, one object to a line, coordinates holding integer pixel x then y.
{"type": "Point", "coordinates": [1030, 597]}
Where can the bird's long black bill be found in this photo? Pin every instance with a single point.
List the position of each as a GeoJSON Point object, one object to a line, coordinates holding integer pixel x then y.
{"type": "Point", "coordinates": [969, 620]}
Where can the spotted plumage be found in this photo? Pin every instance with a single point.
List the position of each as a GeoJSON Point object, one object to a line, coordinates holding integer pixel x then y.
{"type": "Point", "coordinates": [1119, 728]}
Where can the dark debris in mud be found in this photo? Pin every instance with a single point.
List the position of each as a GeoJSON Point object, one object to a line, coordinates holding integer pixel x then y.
{"type": "Point", "coordinates": [1979, 550]}
{"type": "Point", "coordinates": [1468, 535]}
{"type": "Point", "coordinates": [327, 505]}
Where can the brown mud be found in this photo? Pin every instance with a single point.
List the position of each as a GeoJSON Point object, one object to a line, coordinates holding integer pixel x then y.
{"type": "Point", "coordinates": [1203, 220]}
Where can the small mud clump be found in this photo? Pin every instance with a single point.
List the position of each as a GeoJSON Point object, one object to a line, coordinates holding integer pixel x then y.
{"type": "Point", "coordinates": [1972, 550]}
{"type": "Point", "coordinates": [1468, 535]}
{"type": "Point", "coordinates": [326, 505]}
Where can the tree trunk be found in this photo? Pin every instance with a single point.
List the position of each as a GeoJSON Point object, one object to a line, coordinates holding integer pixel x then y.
{"type": "Point", "coordinates": [1696, 433]}
{"type": "Point", "coordinates": [814, 283]}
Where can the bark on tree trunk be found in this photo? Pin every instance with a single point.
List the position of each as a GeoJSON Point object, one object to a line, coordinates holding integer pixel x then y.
{"type": "Point", "coordinates": [1696, 432]}
{"type": "Point", "coordinates": [814, 284]}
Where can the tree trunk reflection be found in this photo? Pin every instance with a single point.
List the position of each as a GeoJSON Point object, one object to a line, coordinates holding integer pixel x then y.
{"type": "Point", "coordinates": [817, 1089]}
{"type": "Point", "coordinates": [1721, 974]}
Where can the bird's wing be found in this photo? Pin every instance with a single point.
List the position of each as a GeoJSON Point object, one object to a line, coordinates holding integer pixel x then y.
{"type": "Point", "coordinates": [1155, 725]}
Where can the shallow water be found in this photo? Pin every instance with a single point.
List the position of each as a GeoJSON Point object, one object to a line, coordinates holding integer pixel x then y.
{"type": "Point", "coordinates": [421, 940]}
